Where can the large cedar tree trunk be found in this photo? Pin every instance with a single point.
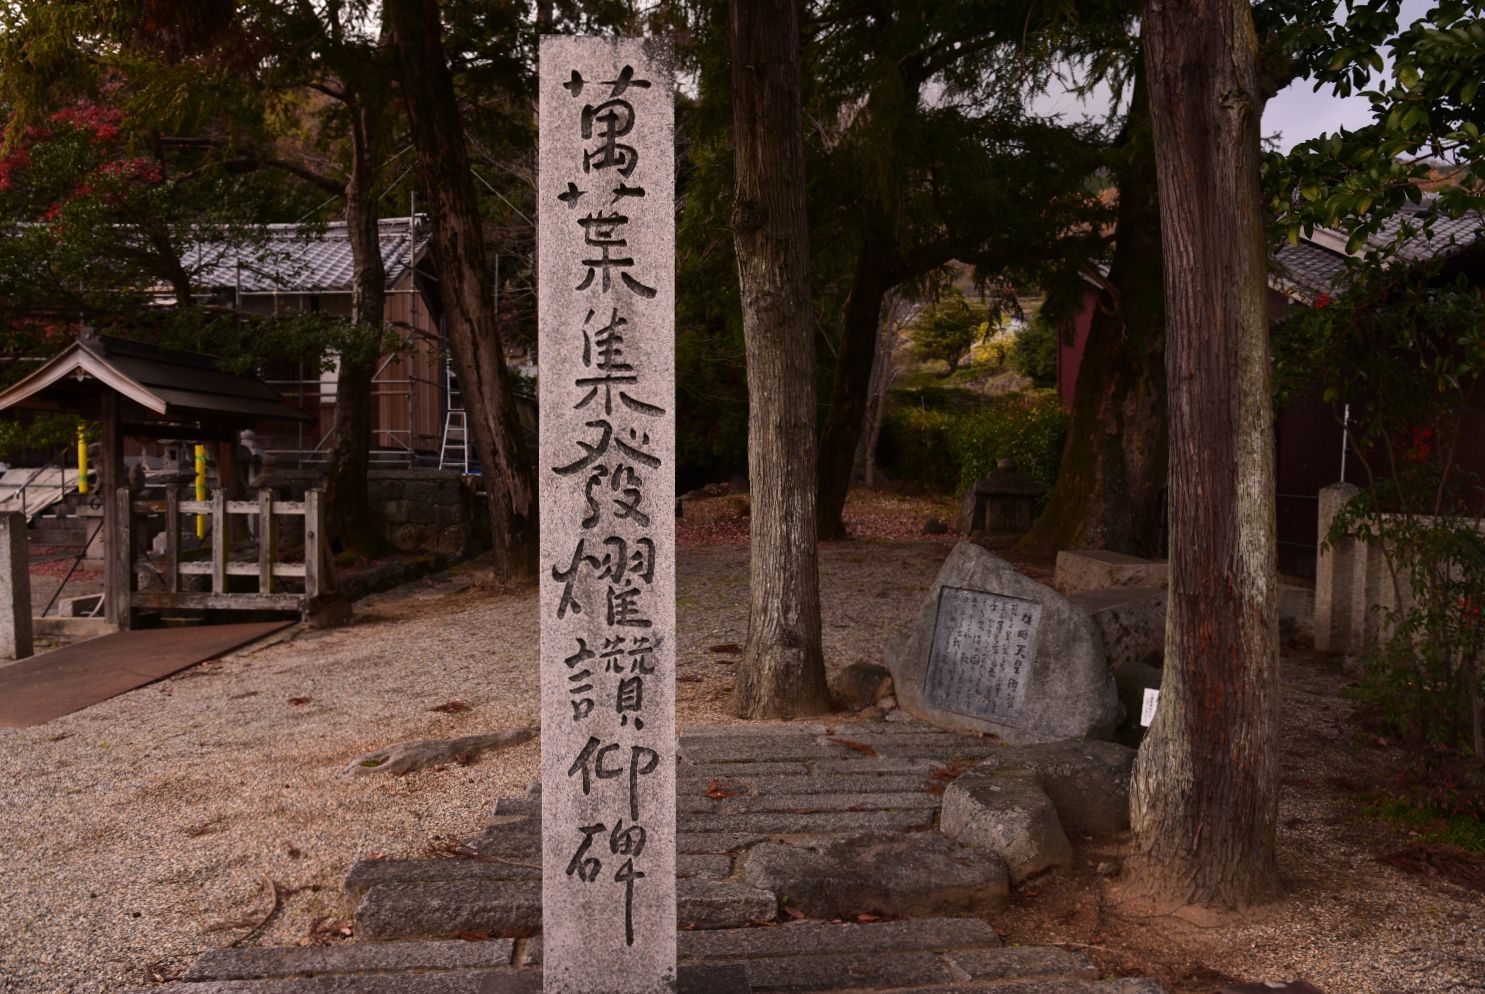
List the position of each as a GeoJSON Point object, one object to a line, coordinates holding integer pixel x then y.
{"type": "Point", "coordinates": [783, 669]}
{"type": "Point", "coordinates": [346, 498]}
{"type": "Point", "coordinates": [1204, 798]}
{"type": "Point", "coordinates": [1110, 487]}
{"type": "Point", "coordinates": [464, 284]}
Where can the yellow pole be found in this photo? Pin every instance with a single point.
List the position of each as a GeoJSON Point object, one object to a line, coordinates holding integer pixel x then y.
{"type": "Point", "coordinates": [201, 488]}
{"type": "Point", "coordinates": [82, 459]}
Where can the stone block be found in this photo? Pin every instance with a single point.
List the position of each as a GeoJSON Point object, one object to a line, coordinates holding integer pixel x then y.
{"type": "Point", "coordinates": [805, 938]}
{"type": "Point", "coordinates": [969, 677]}
{"type": "Point", "coordinates": [860, 685]}
{"type": "Point", "coordinates": [1087, 782]}
{"type": "Point", "coordinates": [1007, 813]}
{"type": "Point", "coordinates": [1021, 963]}
{"type": "Point", "coordinates": [897, 874]}
{"type": "Point", "coordinates": [1093, 569]}
{"type": "Point", "coordinates": [1131, 621]}
{"type": "Point", "coordinates": [15, 588]}
{"type": "Point", "coordinates": [359, 958]}
{"type": "Point", "coordinates": [1335, 573]}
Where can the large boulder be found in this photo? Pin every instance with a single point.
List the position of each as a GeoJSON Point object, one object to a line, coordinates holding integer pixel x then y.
{"type": "Point", "coordinates": [994, 651]}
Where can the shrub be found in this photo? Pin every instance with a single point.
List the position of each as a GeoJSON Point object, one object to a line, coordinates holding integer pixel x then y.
{"type": "Point", "coordinates": [1034, 353]}
{"type": "Point", "coordinates": [946, 450]}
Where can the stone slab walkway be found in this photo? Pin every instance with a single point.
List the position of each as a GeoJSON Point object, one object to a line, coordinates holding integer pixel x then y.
{"type": "Point", "coordinates": [832, 821]}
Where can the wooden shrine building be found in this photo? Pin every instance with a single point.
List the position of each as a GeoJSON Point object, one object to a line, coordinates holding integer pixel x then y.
{"type": "Point", "coordinates": [140, 391]}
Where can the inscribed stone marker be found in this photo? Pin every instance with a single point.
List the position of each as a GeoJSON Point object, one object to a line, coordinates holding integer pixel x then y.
{"type": "Point", "coordinates": [606, 316]}
{"type": "Point", "coordinates": [983, 645]}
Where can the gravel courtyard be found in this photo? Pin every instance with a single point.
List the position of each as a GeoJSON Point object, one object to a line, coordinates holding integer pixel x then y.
{"type": "Point", "coordinates": [149, 828]}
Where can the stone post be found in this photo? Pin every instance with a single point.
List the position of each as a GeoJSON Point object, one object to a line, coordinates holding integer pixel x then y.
{"type": "Point", "coordinates": [606, 237]}
{"type": "Point", "coordinates": [1335, 574]}
{"type": "Point", "coordinates": [15, 588]}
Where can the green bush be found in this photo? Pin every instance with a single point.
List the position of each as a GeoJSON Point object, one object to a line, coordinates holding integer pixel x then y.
{"type": "Point", "coordinates": [945, 450]}
{"type": "Point", "coordinates": [1034, 353]}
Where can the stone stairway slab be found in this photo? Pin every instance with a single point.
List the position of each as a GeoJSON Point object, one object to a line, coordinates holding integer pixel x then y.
{"type": "Point", "coordinates": [811, 803]}
{"type": "Point", "coordinates": [772, 785]}
{"type": "Point", "coordinates": [820, 822]}
{"type": "Point", "coordinates": [428, 908]}
{"type": "Point", "coordinates": [808, 937]}
{"type": "Point", "coordinates": [444, 982]}
{"type": "Point", "coordinates": [350, 958]}
{"type": "Point", "coordinates": [367, 873]}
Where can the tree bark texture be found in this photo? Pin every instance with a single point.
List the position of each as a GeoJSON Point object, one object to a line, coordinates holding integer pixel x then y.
{"type": "Point", "coordinates": [464, 284]}
{"type": "Point", "coordinates": [1110, 488]}
{"type": "Point", "coordinates": [347, 502]}
{"type": "Point", "coordinates": [783, 670]}
{"type": "Point", "coordinates": [1204, 797]}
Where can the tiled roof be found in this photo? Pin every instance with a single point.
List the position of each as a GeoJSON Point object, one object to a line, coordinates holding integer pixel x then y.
{"type": "Point", "coordinates": [1307, 269]}
{"type": "Point", "coordinates": [1318, 263]}
{"type": "Point", "coordinates": [294, 258]}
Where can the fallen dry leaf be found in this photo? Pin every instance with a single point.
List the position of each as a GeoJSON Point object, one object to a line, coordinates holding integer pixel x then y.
{"type": "Point", "coordinates": [860, 747]}
{"type": "Point", "coordinates": [453, 707]}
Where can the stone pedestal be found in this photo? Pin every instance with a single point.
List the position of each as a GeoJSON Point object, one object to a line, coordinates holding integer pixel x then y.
{"type": "Point", "coordinates": [15, 588]}
{"type": "Point", "coordinates": [1335, 567]}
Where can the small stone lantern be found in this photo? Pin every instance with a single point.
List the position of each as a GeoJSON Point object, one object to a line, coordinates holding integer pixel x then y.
{"type": "Point", "coordinates": [1004, 501]}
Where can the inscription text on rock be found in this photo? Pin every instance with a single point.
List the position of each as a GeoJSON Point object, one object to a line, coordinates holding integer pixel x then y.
{"type": "Point", "coordinates": [983, 647]}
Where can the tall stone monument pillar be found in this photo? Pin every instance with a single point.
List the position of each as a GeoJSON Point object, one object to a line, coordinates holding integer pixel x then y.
{"type": "Point", "coordinates": [606, 240]}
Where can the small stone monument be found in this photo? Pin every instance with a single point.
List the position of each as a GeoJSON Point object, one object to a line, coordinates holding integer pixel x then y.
{"type": "Point", "coordinates": [607, 477]}
{"type": "Point", "coordinates": [995, 651]}
{"type": "Point", "coordinates": [15, 578]}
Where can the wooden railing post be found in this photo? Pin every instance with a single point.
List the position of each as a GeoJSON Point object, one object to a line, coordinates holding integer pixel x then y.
{"type": "Point", "coordinates": [172, 539]}
{"type": "Point", "coordinates": [265, 541]}
{"type": "Point", "coordinates": [218, 542]}
{"type": "Point", "coordinates": [123, 558]}
{"type": "Point", "coordinates": [314, 528]}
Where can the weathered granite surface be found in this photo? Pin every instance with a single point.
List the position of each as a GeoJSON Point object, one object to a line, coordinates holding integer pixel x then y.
{"type": "Point", "coordinates": [1068, 691]}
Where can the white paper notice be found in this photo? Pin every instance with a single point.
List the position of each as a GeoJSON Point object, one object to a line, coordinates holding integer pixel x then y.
{"type": "Point", "coordinates": [1147, 712]}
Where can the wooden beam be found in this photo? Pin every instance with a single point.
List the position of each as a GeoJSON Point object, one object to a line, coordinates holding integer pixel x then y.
{"type": "Point", "coordinates": [111, 476]}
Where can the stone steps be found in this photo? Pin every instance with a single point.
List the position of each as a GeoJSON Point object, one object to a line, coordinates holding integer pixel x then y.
{"type": "Point", "coordinates": [762, 813]}
{"type": "Point", "coordinates": [922, 956]}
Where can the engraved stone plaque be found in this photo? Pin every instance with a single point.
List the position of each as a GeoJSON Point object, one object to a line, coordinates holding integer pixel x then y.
{"type": "Point", "coordinates": [983, 647]}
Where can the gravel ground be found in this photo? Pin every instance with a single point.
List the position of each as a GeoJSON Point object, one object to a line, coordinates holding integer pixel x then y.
{"type": "Point", "coordinates": [139, 832]}
{"type": "Point", "coordinates": [147, 829]}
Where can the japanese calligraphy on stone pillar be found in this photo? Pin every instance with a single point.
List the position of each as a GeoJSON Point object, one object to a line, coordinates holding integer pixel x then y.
{"type": "Point", "coordinates": [607, 478]}
{"type": "Point", "coordinates": [983, 646]}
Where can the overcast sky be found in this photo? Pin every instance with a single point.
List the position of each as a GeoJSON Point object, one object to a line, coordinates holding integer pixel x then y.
{"type": "Point", "coordinates": [1296, 113]}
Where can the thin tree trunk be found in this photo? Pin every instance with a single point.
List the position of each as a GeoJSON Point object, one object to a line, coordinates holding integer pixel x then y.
{"type": "Point", "coordinates": [347, 502]}
{"type": "Point", "coordinates": [783, 670]}
{"type": "Point", "coordinates": [1204, 797]}
{"type": "Point", "coordinates": [864, 467]}
{"type": "Point", "coordinates": [1110, 484]}
{"type": "Point", "coordinates": [464, 284]}
{"type": "Point", "coordinates": [873, 279]}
